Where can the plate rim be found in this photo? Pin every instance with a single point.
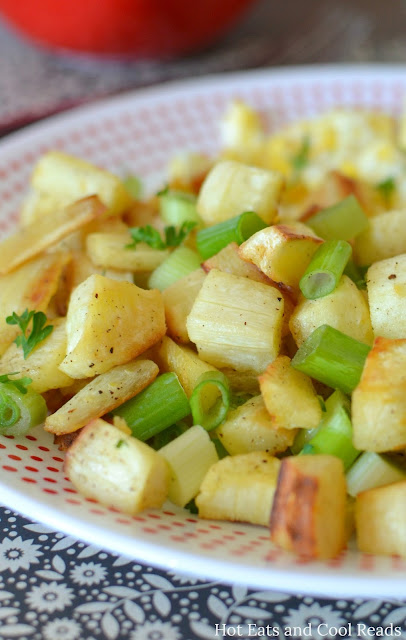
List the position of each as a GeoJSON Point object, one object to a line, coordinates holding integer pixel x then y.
{"type": "Point", "coordinates": [349, 584]}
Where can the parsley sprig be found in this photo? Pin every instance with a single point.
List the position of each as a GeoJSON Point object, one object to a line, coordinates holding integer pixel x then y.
{"type": "Point", "coordinates": [20, 383]}
{"type": "Point", "coordinates": [151, 236]}
{"type": "Point", "coordinates": [29, 339]}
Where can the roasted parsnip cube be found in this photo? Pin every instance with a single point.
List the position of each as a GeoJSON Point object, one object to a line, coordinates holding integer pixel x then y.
{"type": "Point", "coordinates": [110, 322]}
{"type": "Point", "coordinates": [236, 322]}
{"type": "Point", "coordinates": [69, 178]}
{"type": "Point", "coordinates": [189, 457]}
{"type": "Point", "coordinates": [116, 469]}
{"type": "Point", "coordinates": [183, 361]}
{"type": "Point", "coordinates": [241, 131]}
{"type": "Point", "coordinates": [31, 286]}
{"type": "Point", "coordinates": [250, 428]}
{"type": "Point", "coordinates": [109, 250]}
{"type": "Point", "coordinates": [229, 260]}
{"type": "Point", "coordinates": [344, 309]}
{"type": "Point", "coordinates": [239, 488]}
{"type": "Point", "coordinates": [31, 240]}
{"type": "Point", "coordinates": [289, 396]}
{"type": "Point", "coordinates": [233, 187]}
{"type": "Point", "coordinates": [281, 251]}
{"type": "Point", "coordinates": [178, 300]}
{"type": "Point", "coordinates": [101, 395]}
{"type": "Point", "coordinates": [309, 508]}
{"type": "Point", "coordinates": [386, 285]}
{"type": "Point", "coordinates": [384, 238]}
{"type": "Point", "coordinates": [380, 520]}
{"type": "Point", "coordinates": [42, 365]}
{"type": "Point", "coordinates": [379, 400]}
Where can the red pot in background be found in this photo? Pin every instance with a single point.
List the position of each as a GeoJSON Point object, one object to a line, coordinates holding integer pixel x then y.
{"type": "Point", "coordinates": [141, 28]}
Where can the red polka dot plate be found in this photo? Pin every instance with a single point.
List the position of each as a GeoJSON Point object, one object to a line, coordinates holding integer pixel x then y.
{"type": "Point", "coordinates": [139, 132]}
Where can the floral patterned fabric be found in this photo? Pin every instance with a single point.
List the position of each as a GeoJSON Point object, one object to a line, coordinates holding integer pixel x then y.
{"type": "Point", "coordinates": [53, 587]}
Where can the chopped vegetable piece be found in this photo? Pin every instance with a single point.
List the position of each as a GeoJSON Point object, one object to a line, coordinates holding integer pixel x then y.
{"type": "Point", "coordinates": [332, 357]}
{"type": "Point", "coordinates": [156, 407]}
{"type": "Point", "coordinates": [334, 434]}
{"type": "Point", "coordinates": [214, 238]}
{"type": "Point", "coordinates": [38, 331]}
{"type": "Point", "coordinates": [178, 264]}
{"type": "Point", "coordinates": [300, 160]}
{"type": "Point", "coordinates": [341, 221]}
{"type": "Point", "coordinates": [20, 409]}
{"type": "Point", "coordinates": [133, 185]}
{"type": "Point", "coordinates": [177, 207]}
{"type": "Point", "coordinates": [373, 470]}
{"type": "Point", "coordinates": [207, 414]}
{"type": "Point", "coordinates": [325, 269]}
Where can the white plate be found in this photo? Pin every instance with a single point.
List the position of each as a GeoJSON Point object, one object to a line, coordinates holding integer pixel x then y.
{"type": "Point", "coordinates": [139, 132]}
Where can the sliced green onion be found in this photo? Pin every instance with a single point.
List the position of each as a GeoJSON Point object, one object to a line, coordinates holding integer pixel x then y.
{"type": "Point", "coordinates": [157, 407]}
{"type": "Point", "coordinates": [20, 411]}
{"type": "Point", "coordinates": [332, 357]}
{"type": "Point", "coordinates": [325, 269]}
{"type": "Point", "coordinates": [342, 221]}
{"type": "Point", "coordinates": [209, 415]}
{"type": "Point", "coordinates": [178, 264]}
{"type": "Point", "coordinates": [212, 239]}
{"type": "Point", "coordinates": [177, 207]}
{"type": "Point", "coordinates": [334, 434]}
{"type": "Point", "coordinates": [373, 470]}
{"type": "Point", "coordinates": [133, 185]}
{"type": "Point", "coordinates": [356, 274]}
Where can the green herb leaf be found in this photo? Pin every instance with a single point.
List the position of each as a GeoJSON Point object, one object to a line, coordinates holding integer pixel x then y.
{"type": "Point", "coordinates": [151, 236]}
{"type": "Point", "coordinates": [38, 331]}
{"type": "Point", "coordinates": [300, 160]}
{"type": "Point", "coordinates": [386, 188]}
{"type": "Point", "coordinates": [121, 443]}
{"type": "Point", "coordinates": [146, 234]}
{"type": "Point", "coordinates": [21, 383]}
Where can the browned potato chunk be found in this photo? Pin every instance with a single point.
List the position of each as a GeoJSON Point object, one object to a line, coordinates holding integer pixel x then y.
{"type": "Point", "coordinates": [309, 509]}
{"type": "Point", "coordinates": [116, 469]}
{"type": "Point", "coordinates": [110, 322]}
{"type": "Point", "coordinates": [380, 519]}
{"type": "Point", "coordinates": [379, 400]}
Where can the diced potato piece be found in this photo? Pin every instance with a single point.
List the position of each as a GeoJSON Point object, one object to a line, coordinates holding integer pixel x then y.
{"type": "Point", "coordinates": [240, 488]}
{"type": "Point", "coordinates": [241, 127]}
{"type": "Point", "coordinates": [380, 520]}
{"type": "Point", "coordinates": [184, 362]}
{"type": "Point", "coordinates": [250, 428]}
{"type": "Point", "coordinates": [189, 457]}
{"type": "Point", "coordinates": [110, 322]}
{"type": "Point", "coordinates": [379, 400]}
{"type": "Point", "coordinates": [36, 205]}
{"type": "Point", "coordinates": [231, 188]}
{"type": "Point", "coordinates": [282, 251]}
{"type": "Point", "coordinates": [101, 395]}
{"type": "Point", "coordinates": [109, 250]}
{"type": "Point", "coordinates": [236, 322]}
{"type": "Point", "coordinates": [386, 285]}
{"type": "Point", "coordinates": [31, 286]}
{"type": "Point", "coordinates": [119, 471]}
{"type": "Point", "coordinates": [229, 260]}
{"type": "Point", "coordinates": [344, 309]}
{"type": "Point", "coordinates": [289, 396]}
{"type": "Point", "coordinates": [178, 300]}
{"type": "Point", "coordinates": [32, 239]}
{"type": "Point", "coordinates": [309, 508]}
{"type": "Point", "coordinates": [81, 267]}
{"type": "Point", "coordinates": [42, 365]}
{"type": "Point", "coordinates": [69, 178]}
{"type": "Point", "coordinates": [384, 238]}
{"type": "Point", "coordinates": [188, 168]}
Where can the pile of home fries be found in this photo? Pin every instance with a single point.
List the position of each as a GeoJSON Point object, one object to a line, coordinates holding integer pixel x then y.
{"type": "Point", "coordinates": [170, 358]}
